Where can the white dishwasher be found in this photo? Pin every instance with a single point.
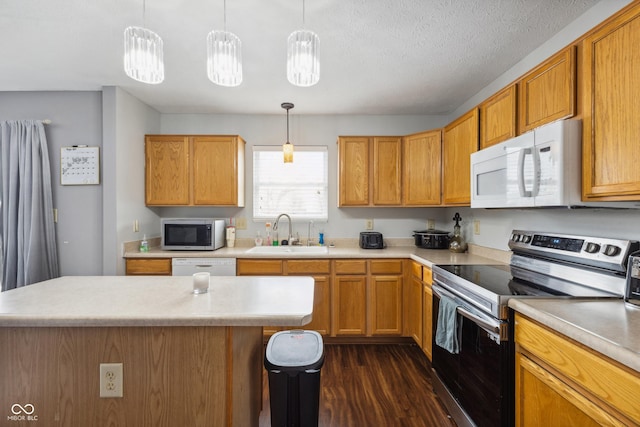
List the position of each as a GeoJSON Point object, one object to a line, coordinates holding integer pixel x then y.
{"type": "Point", "coordinates": [214, 266]}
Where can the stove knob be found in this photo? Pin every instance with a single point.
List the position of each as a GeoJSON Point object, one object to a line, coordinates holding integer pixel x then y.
{"type": "Point", "coordinates": [526, 238]}
{"type": "Point", "coordinates": [515, 237]}
{"type": "Point", "coordinates": [611, 250]}
{"type": "Point", "coordinates": [592, 248]}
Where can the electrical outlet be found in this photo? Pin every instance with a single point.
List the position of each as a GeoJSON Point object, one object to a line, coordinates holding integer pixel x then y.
{"type": "Point", "coordinates": [476, 226]}
{"type": "Point", "coordinates": [136, 226]}
{"type": "Point", "coordinates": [111, 380]}
{"type": "Point", "coordinates": [431, 224]}
{"type": "Point", "coordinates": [241, 223]}
{"type": "Point", "coordinates": [368, 224]}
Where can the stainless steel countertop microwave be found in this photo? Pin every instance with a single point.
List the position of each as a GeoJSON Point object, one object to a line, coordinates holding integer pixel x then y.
{"type": "Point", "coordinates": [192, 234]}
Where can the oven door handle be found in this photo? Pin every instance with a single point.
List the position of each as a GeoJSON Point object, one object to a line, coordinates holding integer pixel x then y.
{"type": "Point", "coordinates": [488, 324]}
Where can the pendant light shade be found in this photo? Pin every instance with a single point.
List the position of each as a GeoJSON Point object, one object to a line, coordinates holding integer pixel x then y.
{"type": "Point", "coordinates": [303, 65]}
{"type": "Point", "coordinates": [224, 58]}
{"type": "Point", "coordinates": [287, 147]}
{"type": "Point", "coordinates": [143, 55]}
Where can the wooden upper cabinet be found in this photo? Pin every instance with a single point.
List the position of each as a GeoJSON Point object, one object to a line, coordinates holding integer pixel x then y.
{"type": "Point", "coordinates": [353, 171]}
{"type": "Point", "coordinates": [187, 170]}
{"type": "Point", "coordinates": [387, 171]}
{"type": "Point", "coordinates": [167, 170]}
{"type": "Point", "coordinates": [548, 92]}
{"type": "Point", "coordinates": [611, 130]}
{"type": "Point", "coordinates": [218, 170]}
{"type": "Point", "coordinates": [498, 118]}
{"type": "Point", "coordinates": [459, 141]}
{"type": "Point", "coordinates": [369, 171]}
{"type": "Point", "coordinates": [421, 169]}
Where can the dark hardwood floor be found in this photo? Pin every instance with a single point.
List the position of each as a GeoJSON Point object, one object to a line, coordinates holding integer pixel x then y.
{"type": "Point", "coordinates": [373, 385]}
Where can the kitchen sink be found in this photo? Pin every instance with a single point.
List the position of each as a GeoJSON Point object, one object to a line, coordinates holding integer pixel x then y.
{"type": "Point", "coordinates": [298, 250]}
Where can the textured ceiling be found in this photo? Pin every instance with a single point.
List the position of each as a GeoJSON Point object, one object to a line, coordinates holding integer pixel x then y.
{"type": "Point", "coordinates": [377, 56]}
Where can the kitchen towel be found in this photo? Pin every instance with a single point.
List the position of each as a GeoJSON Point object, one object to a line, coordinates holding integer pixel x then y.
{"type": "Point", "coordinates": [447, 328]}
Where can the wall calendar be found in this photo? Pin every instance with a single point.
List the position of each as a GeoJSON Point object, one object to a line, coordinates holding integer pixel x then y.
{"type": "Point", "coordinates": [79, 165]}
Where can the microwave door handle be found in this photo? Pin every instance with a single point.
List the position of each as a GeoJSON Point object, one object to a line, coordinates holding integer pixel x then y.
{"type": "Point", "coordinates": [521, 185]}
{"type": "Point", "coordinates": [536, 173]}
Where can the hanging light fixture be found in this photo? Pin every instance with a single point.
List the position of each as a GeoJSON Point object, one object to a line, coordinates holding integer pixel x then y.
{"type": "Point", "coordinates": [143, 54]}
{"type": "Point", "coordinates": [287, 147]}
{"type": "Point", "coordinates": [303, 65]}
{"type": "Point", "coordinates": [224, 56]}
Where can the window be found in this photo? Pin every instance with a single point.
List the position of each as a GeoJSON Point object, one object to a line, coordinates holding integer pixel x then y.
{"type": "Point", "coordinates": [299, 189]}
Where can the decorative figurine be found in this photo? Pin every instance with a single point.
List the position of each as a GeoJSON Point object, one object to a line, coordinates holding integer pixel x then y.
{"type": "Point", "coordinates": [457, 243]}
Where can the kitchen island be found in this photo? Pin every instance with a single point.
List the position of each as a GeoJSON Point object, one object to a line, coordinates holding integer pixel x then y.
{"type": "Point", "coordinates": [187, 359]}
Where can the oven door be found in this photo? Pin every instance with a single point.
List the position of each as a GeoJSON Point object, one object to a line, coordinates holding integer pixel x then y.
{"type": "Point", "coordinates": [478, 381]}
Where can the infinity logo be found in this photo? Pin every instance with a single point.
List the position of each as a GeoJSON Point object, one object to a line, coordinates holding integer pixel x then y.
{"type": "Point", "coordinates": [17, 409]}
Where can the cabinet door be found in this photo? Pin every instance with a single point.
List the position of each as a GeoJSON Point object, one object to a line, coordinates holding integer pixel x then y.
{"type": "Point", "coordinates": [385, 305]}
{"type": "Point", "coordinates": [353, 171]}
{"type": "Point", "coordinates": [349, 305]}
{"type": "Point", "coordinates": [167, 170]}
{"type": "Point", "coordinates": [611, 130]}
{"type": "Point", "coordinates": [422, 169]}
{"type": "Point", "coordinates": [413, 309]}
{"type": "Point", "coordinates": [217, 164]}
{"type": "Point", "coordinates": [259, 267]}
{"type": "Point", "coordinates": [548, 92]}
{"type": "Point", "coordinates": [427, 319]}
{"type": "Point", "coordinates": [544, 400]}
{"type": "Point", "coordinates": [460, 140]}
{"type": "Point", "coordinates": [321, 306]}
{"type": "Point", "coordinates": [498, 117]}
{"type": "Point", "coordinates": [387, 171]}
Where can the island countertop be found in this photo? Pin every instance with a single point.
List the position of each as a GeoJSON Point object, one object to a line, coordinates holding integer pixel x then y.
{"type": "Point", "coordinates": [108, 301]}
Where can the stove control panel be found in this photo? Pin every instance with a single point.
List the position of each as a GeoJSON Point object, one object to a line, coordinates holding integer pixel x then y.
{"type": "Point", "coordinates": [607, 253]}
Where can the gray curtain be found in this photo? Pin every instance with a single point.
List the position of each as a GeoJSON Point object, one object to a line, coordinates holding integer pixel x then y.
{"type": "Point", "coordinates": [28, 250]}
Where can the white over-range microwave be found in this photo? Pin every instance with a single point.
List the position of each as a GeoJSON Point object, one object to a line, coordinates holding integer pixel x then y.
{"type": "Point", "coordinates": [541, 168]}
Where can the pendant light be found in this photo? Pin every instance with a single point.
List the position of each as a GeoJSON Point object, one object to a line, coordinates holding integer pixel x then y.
{"type": "Point", "coordinates": [224, 56]}
{"type": "Point", "coordinates": [143, 54]}
{"type": "Point", "coordinates": [287, 147]}
{"type": "Point", "coordinates": [303, 65]}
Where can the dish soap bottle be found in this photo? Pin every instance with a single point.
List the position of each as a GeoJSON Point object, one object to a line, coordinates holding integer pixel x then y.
{"type": "Point", "coordinates": [457, 243]}
{"type": "Point", "coordinates": [144, 244]}
{"type": "Point", "coordinates": [268, 234]}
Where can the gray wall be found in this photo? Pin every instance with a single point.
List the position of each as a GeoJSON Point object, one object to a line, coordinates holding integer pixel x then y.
{"type": "Point", "coordinates": [76, 119]}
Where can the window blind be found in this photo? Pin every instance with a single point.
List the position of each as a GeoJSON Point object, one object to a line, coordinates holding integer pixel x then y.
{"type": "Point", "coordinates": [299, 189]}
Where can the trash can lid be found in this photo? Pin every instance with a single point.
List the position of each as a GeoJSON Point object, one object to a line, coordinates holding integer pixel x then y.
{"type": "Point", "coordinates": [296, 348]}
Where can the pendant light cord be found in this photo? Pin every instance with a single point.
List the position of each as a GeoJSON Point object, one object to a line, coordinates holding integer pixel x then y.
{"type": "Point", "coordinates": [225, 15]}
{"type": "Point", "coordinates": [287, 125]}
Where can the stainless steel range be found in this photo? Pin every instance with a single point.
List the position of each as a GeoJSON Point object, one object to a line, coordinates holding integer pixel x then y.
{"type": "Point", "coordinates": [473, 355]}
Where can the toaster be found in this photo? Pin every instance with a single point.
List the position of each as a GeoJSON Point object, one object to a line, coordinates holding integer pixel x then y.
{"type": "Point", "coordinates": [371, 240]}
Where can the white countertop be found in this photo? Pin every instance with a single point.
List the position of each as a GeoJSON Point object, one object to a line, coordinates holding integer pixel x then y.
{"type": "Point", "coordinates": [107, 301]}
{"type": "Point", "coordinates": [608, 326]}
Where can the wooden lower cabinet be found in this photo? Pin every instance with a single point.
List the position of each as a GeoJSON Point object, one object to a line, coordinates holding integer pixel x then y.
{"type": "Point", "coordinates": [413, 304]}
{"type": "Point", "coordinates": [148, 266]}
{"type": "Point", "coordinates": [353, 297]}
{"type": "Point", "coordinates": [427, 311]}
{"type": "Point", "coordinates": [562, 383]}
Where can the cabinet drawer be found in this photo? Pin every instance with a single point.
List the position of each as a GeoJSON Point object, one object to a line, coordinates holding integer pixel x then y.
{"type": "Point", "coordinates": [386, 266]}
{"type": "Point", "coordinates": [148, 266]}
{"type": "Point", "coordinates": [248, 267]}
{"type": "Point", "coordinates": [308, 267]}
{"type": "Point", "coordinates": [616, 385]}
{"type": "Point", "coordinates": [350, 267]}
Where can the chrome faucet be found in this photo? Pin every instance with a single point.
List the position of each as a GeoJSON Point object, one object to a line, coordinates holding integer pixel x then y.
{"type": "Point", "coordinates": [275, 227]}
